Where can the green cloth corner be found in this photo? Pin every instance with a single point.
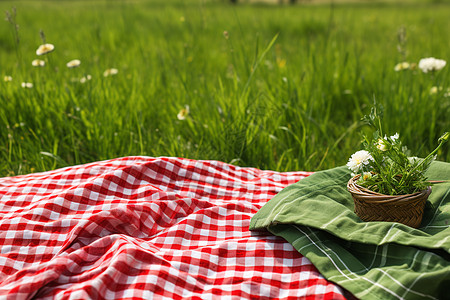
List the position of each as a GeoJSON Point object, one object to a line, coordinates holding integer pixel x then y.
{"type": "Point", "coordinates": [372, 260]}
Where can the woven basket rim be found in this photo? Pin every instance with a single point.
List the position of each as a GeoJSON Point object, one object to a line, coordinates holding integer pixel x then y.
{"type": "Point", "coordinates": [373, 197]}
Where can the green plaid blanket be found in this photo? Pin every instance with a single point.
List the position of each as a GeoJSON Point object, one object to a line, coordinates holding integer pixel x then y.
{"type": "Point", "coordinates": [372, 260]}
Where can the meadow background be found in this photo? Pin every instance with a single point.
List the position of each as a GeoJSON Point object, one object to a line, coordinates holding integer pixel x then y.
{"type": "Point", "coordinates": [276, 87]}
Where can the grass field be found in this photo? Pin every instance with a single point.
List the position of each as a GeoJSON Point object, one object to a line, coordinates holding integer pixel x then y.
{"type": "Point", "coordinates": [274, 87]}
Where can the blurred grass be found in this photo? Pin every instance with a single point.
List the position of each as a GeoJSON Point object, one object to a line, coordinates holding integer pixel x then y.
{"type": "Point", "coordinates": [273, 87]}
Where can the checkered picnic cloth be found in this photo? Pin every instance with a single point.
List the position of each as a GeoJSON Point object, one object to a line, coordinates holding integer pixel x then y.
{"type": "Point", "coordinates": [141, 228]}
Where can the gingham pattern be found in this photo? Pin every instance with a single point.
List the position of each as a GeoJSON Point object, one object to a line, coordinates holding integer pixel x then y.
{"type": "Point", "coordinates": [142, 228]}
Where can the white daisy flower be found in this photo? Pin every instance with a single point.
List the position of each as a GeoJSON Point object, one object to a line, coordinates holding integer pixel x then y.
{"type": "Point", "coordinates": [110, 72]}
{"type": "Point", "coordinates": [381, 145]}
{"type": "Point", "coordinates": [73, 63]}
{"type": "Point", "coordinates": [7, 78]}
{"type": "Point", "coordinates": [402, 66]}
{"type": "Point", "coordinates": [44, 49]}
{"type": "Point", "coordinates": [85, 78]}
{"type": "Point", "coordinates": [431, 64]}
{"type": "Point", "coordinates": [435, 89]}
{"type": "Point", "coordinates": [38, 63]}
{"type": "Point", "coordinates": [358, 160]}
{"type": "Point", "coordinates": [27, 85]}
{"type": "Point", "coordinates": [182, 115]}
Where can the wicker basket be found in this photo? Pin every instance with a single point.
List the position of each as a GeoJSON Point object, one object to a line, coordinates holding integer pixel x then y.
{"type": "Point", "coordinates": [372, 206]}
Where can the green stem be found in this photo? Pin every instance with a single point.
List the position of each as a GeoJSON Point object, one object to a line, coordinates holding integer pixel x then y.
{"type": "Point", "coordinates": [429, 155]}
{"type": "Point", "coordinates": [405, 178]}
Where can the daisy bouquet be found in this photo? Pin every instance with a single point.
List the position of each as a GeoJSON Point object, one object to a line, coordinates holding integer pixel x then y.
{"type": "Point", "coordinates": [385, 166]}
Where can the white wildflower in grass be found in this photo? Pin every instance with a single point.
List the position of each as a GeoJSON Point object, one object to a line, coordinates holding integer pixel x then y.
{"type": "Point", "coordinates": [110, 72]}
{"type": "Point", "coordinates": [182, 115]}
{"type": "Point", "coordinates": [435, 89]}
{"type": "Point", "coordinates": [73, 63]}
{"type": "Point", "coordinates": [85, 78]}
{"type": "Point", "coordinates": [7, 78]}
{"type": "Point", "coordinates": [431, 64]}
{"type": "Point", "coordinates": [413, 159]}
{"type": "Point", "coordinates": [402, 66]}
{"type": "Point", "coordinates": [358, 160]}
{"type": "Point", "coordinates": [447, 93]}
{"type": "Point", "coordinates": [38, 63]}
{"type": "Point", "coordinates": [27, 85]}
{"type": "Point", "coordinates": [44, 49]}
{"type": "Point", "coordinates": [395, 136]}
{"type": "Point", "coordinates": [366, 175]}
{"type": "Point", "coordinates": [381, 145]}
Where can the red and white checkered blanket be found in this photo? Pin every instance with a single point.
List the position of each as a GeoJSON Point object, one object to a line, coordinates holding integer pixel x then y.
{"type": "Point", "coordinates": [141, 228]}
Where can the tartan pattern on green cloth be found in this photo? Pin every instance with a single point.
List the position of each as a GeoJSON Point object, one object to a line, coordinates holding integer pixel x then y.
{"type": "Point", "coordinates": [373, 260]}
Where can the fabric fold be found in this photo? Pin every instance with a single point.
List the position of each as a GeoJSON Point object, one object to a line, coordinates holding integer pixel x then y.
{"type": "Point", "coordinates": [148, 228]}
{"type": "Point", "coordinates": [372, 260]}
